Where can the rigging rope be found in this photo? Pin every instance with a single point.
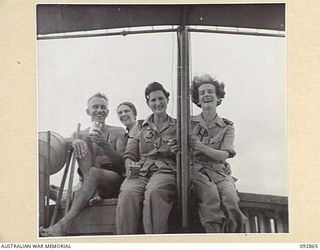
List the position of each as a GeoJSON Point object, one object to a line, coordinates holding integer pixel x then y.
{"type": "Point", "coordinates": [172, 60]}
{"type": "Point", "coordinates": [192, 164]}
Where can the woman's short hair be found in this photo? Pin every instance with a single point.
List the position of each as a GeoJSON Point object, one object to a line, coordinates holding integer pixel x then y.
{"type": "Point", "coordinates": [206, 78]}
{"type": "Point", "coordinates": [130, 105]}
{"type": "Point", "coordinates": [154, 86]}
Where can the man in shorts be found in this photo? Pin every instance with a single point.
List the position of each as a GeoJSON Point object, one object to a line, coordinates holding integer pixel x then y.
{"type": "Point", "coordinates": [99, 153]}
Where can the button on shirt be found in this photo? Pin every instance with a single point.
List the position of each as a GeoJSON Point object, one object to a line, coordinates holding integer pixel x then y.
{"type": "Point", "coordinates": [148, 146]}
{"type": "Point", "coordinates": [219, 134]}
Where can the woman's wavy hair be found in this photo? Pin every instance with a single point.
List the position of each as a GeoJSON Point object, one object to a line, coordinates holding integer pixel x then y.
{"type": "Point", "coordinates": [154, 86]}
{"type": "Point", "coordinates": [206, 78]}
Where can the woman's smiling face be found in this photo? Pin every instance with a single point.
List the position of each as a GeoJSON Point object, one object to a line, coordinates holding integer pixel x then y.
{"type": "Point", "coordinates": [126, 115]}
{"type": "Point", "coordinates": [158, 102]}
{"type": "Point", "coordinates": [207, 95]}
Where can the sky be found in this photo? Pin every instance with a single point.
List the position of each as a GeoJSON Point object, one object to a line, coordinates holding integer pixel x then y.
{"type": "Point", "coordinates": [252, 68]}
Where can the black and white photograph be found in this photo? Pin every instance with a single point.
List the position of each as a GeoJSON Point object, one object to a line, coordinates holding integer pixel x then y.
{"type": "Point", "coordinates": [161, 119]}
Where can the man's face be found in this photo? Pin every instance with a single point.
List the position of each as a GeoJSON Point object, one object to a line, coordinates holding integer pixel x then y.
{"type": "Point", "coordinates": [98, 109]}
{"type": "Point", "coordinates": [207, 95]}
{"type": "Point", "coordinates": [126, 115]}
{"type": "Point", "coordinates": [158, 102]}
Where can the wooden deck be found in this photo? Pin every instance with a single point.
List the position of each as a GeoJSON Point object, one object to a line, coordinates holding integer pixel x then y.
{"type": "Point", "coordinates": [265, 213]}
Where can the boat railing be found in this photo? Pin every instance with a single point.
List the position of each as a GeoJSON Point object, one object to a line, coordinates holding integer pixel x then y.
{"type": "Point", "coordinates": [265, 213]}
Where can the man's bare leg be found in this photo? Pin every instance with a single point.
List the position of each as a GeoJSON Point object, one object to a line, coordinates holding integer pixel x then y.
{"type": "Point", "coordinates": [80, 201]}
{"type": "Point", "coordinates": [96, 198]}
{"type": "Point", "coordinates": [95, 177]}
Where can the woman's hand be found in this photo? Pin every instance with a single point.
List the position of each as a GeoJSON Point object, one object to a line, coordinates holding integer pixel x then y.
{"type": "Point", "coordinates": [80, 148]}
{"type": "Point", "coordinates": [174, 147]}
{"type": "Point", "coordinates": [128, 164]}
{"type": "Point", "coordinates": [196, 144]}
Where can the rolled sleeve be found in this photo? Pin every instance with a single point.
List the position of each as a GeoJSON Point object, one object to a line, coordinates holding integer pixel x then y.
{"type": "Point", "coordinates": [132, 150]}
{"type": "Point", "coordinates": [227, 143]}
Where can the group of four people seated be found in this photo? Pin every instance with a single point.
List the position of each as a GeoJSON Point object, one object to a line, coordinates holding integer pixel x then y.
{"type": "Point", "coordinates": [109, 154]}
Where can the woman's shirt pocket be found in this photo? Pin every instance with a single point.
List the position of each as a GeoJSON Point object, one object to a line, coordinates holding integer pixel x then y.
{"type": "Point", "coordinates": [149, 142]}
{"type": "Point", "coordinates": [215, 142]}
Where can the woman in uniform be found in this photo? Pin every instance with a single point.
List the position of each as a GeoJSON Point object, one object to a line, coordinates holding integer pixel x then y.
{"type": "Point", "coordinates": [147, 195]}
{"type": "Point", "coordinates": [212, 143]}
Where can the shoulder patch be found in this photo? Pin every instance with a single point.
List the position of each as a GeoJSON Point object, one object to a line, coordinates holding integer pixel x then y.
{"type": "Point", "coordinates": [228, 122]}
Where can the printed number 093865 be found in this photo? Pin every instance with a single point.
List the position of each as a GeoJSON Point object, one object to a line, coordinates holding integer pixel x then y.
{"type": "Point", "coordinates": [309, 246]}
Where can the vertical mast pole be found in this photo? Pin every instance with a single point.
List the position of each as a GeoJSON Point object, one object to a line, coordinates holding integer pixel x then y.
{"type": "Point", "coordinates": [183, 122]}
{"type": "Point", "coordinates": [178, 157]}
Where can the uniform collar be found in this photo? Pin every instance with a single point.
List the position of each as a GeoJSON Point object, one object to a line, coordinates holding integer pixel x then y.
{"type": "Point", "coordinates": [127, 132]}
{"type": "Point", "coordinates": [149, 119]}
{"type": "Point", "coordinates": [218, 120]}
{"type": "Point", "coordinates": [128, 129]}
{"type": "Point", "coordinates": [168, 123]}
